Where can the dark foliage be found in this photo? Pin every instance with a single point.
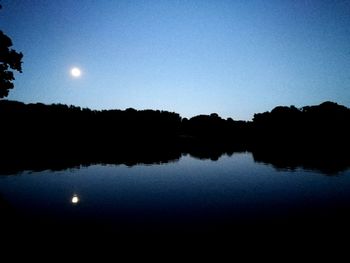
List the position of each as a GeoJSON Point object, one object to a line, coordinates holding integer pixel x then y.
{"type": "Point", "coordinates": [39, 136]}
{"type": "Point", "coordinates": [10, 60]}
{"type": "Point", "coordinates": [325, 125]}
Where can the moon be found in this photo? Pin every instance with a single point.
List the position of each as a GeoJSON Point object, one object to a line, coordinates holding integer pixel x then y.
{"type": "Point", "coordinates": [75, 72]}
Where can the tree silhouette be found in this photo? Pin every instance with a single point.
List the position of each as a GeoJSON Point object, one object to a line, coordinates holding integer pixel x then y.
{"type": "Point", "coordinates": [10, 60]}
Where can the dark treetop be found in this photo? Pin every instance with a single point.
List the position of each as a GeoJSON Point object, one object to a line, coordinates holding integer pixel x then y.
{"type": "Point", "coordinates": [61, 136]}
{"type": "Point", "coordinates": [9, 60]}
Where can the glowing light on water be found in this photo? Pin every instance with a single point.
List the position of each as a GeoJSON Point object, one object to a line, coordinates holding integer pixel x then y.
{"type": "Point", "coordinates": [75, 199]}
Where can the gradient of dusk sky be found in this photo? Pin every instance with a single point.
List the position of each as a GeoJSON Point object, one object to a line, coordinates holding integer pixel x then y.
{"type": "Point", "coordinates": [233, 58]}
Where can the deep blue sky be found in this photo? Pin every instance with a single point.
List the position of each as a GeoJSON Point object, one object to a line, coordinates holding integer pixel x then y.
{"type": "Point", "coordinates": [234, 58]}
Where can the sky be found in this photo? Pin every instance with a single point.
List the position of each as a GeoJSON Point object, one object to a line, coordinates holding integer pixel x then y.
{"type": "Point", "coordinates": [234, 58]}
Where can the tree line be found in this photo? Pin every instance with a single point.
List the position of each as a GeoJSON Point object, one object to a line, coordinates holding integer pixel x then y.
{"type": "Point", "coordinates": [327, 123]}
{"type": "Point", "coordinates": [38, 136]}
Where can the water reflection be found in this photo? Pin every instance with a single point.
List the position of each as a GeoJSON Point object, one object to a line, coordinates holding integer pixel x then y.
{"type": "Point", "coordinates": [190, 195]}
{"type": "Point", "coordinates": [75, 199]}
{"type": "Point", "coordinates": [324, 161]}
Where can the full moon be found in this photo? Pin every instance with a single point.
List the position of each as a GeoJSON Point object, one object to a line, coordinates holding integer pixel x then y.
{"type": "Point", "coordinates": [75, 72]}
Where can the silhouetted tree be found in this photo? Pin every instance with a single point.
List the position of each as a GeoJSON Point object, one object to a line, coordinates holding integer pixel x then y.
{"type": "Point", "coordinates": [313, 137]}
{"type": "Point", "coordinates": [10, 60]}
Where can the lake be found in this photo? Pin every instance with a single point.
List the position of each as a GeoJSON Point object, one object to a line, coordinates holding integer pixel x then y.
{"type": "Point", "coordinates": [188, 193]}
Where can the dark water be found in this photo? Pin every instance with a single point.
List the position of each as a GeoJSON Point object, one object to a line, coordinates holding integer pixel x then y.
{"type": "Point", "coordinates": [185, 195]}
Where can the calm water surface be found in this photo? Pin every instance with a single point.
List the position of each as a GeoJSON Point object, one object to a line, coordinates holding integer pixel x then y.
{"type": "Point", "coordinates": [203, 193]}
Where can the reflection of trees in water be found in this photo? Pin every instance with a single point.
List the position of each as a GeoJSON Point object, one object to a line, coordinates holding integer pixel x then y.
{"type": "Point", "coordinates": [324, 161]}
{"type": "Point", "coordinates": [38, 137]}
